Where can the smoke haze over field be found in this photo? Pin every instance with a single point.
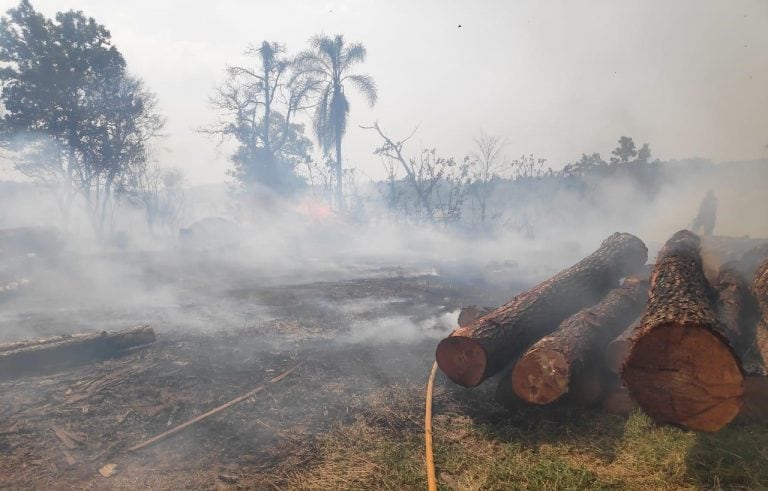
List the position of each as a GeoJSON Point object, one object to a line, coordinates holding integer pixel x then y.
{"type": "Point", "coordinates": [266, 210]}
{"type": "Point", "coordinates": [557, 78]}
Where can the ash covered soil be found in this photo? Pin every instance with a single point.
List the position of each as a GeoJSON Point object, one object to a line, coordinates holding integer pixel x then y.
{"type": "Point", "coordinates": [223, 328]}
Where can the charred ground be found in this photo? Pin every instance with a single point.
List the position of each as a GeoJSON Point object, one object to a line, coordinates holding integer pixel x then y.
{"type": "Point", "coordinates": [355, 334]}
{"type": "Point", "coordinates": [350, 417]}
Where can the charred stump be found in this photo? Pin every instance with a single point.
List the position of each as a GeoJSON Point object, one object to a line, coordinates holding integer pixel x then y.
{"type": "Point", "coordinates": [570, 359]}
{"type": "Point", "coordinates": [680, 368]}
{"type": "Point", "coordinates": [475, 352]}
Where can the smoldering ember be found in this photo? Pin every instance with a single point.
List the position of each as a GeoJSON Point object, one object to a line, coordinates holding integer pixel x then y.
{"type": "Point", "coordinates": [383, 245]}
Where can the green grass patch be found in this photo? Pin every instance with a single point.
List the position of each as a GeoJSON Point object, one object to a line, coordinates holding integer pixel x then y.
{"type": "Point", "coordinates": [529, 449]}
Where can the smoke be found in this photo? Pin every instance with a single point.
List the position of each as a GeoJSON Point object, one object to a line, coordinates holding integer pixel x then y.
{"type": "Point", "coordinates": [189, 279]}
{"type": "Point", "coordinates": [402, 329]}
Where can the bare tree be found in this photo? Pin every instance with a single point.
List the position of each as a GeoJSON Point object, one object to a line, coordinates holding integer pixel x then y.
{"type": "Point", "coordinates": [160, 193]}
{"type": "Point", "coordinates": [487, 164]}
{"type": "Point", "coordinates": [438, 183]}
{"type": "Point", "coordinates": [321, 178]}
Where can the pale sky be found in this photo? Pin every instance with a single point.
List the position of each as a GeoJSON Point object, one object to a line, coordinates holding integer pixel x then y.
{"type": "Point", "coordinates": [555, 78]}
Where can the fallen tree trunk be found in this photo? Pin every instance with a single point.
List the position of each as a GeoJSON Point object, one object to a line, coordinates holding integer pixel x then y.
{"type": "Point", "coordinates": [66, 351]}
{"type": "Point", "coordinates": [616, 351]}
{"type": "Point", "coordinates": [760, 288]}
{"type": "Point", "coordinates": [738, 314]}
{"type": "Point", "coordinates": [546, 371]}
{"type": "Point", "coordinates": [586, 389]}
{"type": "Point", "coordinates": [680, 368]}
{"type": "Point", "coordinates": [760, 292]}
{"type": "Point", "coordinates": [471, 313]}
{"type": "Point", "coordinates": [475, 352]}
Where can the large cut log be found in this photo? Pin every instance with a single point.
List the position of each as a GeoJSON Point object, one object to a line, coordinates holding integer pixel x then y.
{"type": "Point", "coordinates": [475, 352]}
{"type": "Point", "coordinates": [616, 351]}
{"type": "Point", "coordinates": [66, 351]}
{"type": "Point", "coordinates": [738, 314]}
{"type": "Point", "coordinates": [680, 368]}
{"type": "Point", "coordinates": [760, 288]}
{"type": "Point", "coordinates": [760, 292]}
{"type": "Point", "coordinates": [586, 389]}
{"type": "Point", "coordinates": [471, 313]}
{"type": "Point", "coordinates": [546, 371]}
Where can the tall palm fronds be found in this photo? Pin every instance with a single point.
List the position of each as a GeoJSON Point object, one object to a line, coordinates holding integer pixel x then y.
{"type": "Point", "coordinates": [328, 62]}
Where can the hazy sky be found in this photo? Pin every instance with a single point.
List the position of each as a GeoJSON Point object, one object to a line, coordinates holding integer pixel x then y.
{"type": "Point", "coordinates": [555, 78]}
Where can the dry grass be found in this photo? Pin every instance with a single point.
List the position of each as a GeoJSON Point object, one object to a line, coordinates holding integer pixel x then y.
{"type": "Point", "coordinates": [562, 449]}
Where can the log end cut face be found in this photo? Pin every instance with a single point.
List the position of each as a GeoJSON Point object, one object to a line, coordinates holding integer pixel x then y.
{"type": "Point", "coordinates": [462, 359]}
{"type": "Point", "coordinates": [541, 377]}
{"type": "Point", "coordinates": [685, 376]}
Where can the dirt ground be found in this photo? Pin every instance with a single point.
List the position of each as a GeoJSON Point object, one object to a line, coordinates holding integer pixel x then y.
{"type": "Point", "coordinates": [222, 330]}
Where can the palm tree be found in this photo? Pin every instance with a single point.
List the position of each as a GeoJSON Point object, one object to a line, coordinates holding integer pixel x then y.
{"type": "Point", "coordinates": [329, 62]}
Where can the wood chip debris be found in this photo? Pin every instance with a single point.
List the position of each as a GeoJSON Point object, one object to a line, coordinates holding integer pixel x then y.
{"type": "Point", "coordinates": [108, 470]}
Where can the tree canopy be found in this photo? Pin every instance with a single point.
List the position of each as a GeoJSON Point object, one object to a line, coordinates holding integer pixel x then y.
{"type": "Point", "coordinates": [328, 63]}
{"type": "Point", "coordinates": [72, 112]}
{"type": "Point", "coordinates": [257, 107]}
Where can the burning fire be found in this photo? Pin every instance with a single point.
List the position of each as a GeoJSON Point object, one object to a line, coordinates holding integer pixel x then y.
{"type": "Point", "coordinates": [314, 209]}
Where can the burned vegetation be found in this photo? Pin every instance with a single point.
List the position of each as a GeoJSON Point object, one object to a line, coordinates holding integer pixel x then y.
{"type": "Point", "coordinates": [339, 299]}
{"type": "Point", "coordinates": [303, 400]}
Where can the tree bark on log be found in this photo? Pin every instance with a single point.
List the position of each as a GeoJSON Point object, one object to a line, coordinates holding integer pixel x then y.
{"type": "Point", "coordinates": [475, 352]}
{"type": "Point", "coordinates": [548, 370]}
{"type": "Point", "coordinates": [471, 313]}
{"type": "Point", "coordinates": [738, 314]}
{"type": "Point", "coordinates": [616, 351]}
{"type": "Point", "coordinates": [680, 368]}
{"type": "Point", "coordinates": [43, 355]}
{"type": "Point", "coordinates": [760, 293]}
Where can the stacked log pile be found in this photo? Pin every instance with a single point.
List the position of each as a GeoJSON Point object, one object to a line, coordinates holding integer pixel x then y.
{"type": "Point", "coordinates": [687, 345]}
{"type": "Point", "coordinates": [481, 349]}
